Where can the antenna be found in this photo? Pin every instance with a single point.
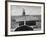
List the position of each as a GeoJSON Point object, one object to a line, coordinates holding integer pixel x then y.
{"type": "Point", "coordinates": [23, 12]}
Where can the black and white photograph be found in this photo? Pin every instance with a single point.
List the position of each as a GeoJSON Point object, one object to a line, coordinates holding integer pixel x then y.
{"type": "Point", "coordinates": [25, 18]}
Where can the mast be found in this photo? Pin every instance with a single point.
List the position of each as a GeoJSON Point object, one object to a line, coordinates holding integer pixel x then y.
{"type": "Point", "coordinates": [24, 15]}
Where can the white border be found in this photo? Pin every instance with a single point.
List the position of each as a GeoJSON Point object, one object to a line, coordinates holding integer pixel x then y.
{"type": "Point", "coordinates": [24, 32]}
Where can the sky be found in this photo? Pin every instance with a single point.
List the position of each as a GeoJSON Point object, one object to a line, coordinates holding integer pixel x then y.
{"type": "Point", "coordinates": [17, 10]}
